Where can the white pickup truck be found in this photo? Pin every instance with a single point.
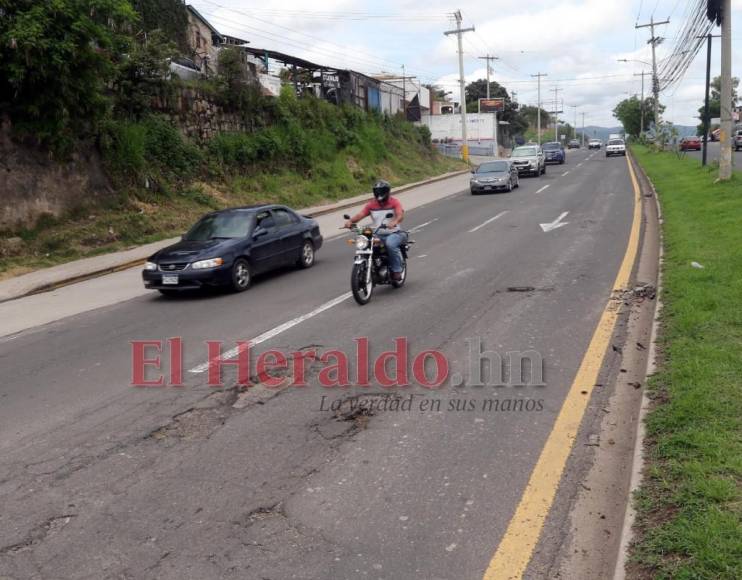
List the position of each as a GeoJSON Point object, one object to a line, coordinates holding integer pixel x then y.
{"type": "Point", "coordinates": [615, 147]}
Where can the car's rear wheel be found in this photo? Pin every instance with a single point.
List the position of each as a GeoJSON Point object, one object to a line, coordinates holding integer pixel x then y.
{"type": "Point", "coordinates": [306, 260]}
{"type": "Point", "coordinates": [241, 275]}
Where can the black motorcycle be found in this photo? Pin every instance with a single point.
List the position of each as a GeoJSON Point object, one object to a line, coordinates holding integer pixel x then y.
{"type": "Point", "coordinates": [371, 263]}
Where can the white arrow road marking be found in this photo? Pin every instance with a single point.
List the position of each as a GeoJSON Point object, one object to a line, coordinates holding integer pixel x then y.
{"type": "Point", "coordinates": [480, 226]}
{"type": "Point", "coordinates": [421, 226]}
{"type": "Point", "coordinates": [557, 223]}
{"type": "Point", "coordinates": [544, 187]}
{"type": "Point", "coordinates": [230, 354]}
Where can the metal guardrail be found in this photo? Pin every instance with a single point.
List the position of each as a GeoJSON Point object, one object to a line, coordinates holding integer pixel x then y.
{"type": "Point", "coordinates": [478, 149]}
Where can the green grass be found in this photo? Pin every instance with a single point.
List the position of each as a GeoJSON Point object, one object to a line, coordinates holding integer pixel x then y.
{"type": "Point", "coordinates": [690, 504]}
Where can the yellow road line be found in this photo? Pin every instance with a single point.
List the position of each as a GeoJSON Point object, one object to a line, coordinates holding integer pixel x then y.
{"type": "Point", "coordinates": [520, 539]}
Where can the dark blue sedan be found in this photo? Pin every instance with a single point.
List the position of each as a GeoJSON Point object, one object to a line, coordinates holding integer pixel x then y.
{"type": "Point", "coordinates": [229, 247]}
{"type": "Point", "coordinates": [554, 153]}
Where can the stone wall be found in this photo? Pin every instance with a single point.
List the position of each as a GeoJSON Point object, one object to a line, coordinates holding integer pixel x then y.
{"type": "Point", "coordinates": [197, 115]}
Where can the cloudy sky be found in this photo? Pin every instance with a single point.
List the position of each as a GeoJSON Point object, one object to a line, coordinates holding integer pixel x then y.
{"type": "Point", "coordinates": [575, 42]}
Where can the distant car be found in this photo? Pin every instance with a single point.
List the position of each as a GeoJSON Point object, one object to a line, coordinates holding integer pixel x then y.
{"type": "Point", "coordinates": [738, 139]}
{"type": "Point", "coordinates": [594, 144]}
{"type": "Point", "coordinates": [494, 176]}
{"type": "Point", "coordinates": [554, 153]}
{"type": "Point", "coordinates": [229, 247]}
{"type": "Point", "coordinates": [690, 144]}
{"type": "Point", "coordinates": [528, 159]}
{"type": "Point", "coordinates": [573, 144]}
{"type": "Point", "coordinates": [615, 147]}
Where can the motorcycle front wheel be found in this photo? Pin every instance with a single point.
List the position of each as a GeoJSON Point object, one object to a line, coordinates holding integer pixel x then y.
{"type": "Point", "coordinates": [362, 291]}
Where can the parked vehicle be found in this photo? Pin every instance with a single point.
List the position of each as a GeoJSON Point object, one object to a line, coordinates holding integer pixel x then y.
{"type": "Point", "coordinates": [738, 140]}
{"type": "Point", "coordinates": [494, 176]}
{"type": "Point", "coordinates": [229, 247]}
{"type": "Point", "coordinates": [573, 144]}
{"type": "Point", "coordinates": [615, 147]}
{"type": "Point", "coordinates": [594, 144]}
{"type": "Point", "coordinates": [554, 153]}
{"type": "Point", "coordinates": [690, 144]}
{"type": "Point", "coordinates": [528, 159]}
{"type": "Point", "coordinates": [371, 262]}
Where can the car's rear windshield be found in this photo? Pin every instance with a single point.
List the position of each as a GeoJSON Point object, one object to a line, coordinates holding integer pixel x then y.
{"type": "Point", "coordinates": [493, 167]}
{"type": "Point", "coordinates": [615, 142]}
{"type": "Point", "coordinates": [524, 151]}
{"type": "Point", "coordinates": [552, 146]}
{"type": "Point", "coordinates": [220, 225]}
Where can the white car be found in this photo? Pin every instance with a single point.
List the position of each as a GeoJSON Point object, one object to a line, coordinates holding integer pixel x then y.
{"type": "Point", "coordinates": [615, 147]}
{"type": "Point", "coordinates": [594, 144]}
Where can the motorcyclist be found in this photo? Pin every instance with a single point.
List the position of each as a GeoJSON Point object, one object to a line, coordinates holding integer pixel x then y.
{"type": "Point", "coordinates": [392, 236]}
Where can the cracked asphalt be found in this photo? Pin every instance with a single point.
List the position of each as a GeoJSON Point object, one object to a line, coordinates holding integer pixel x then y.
{"type": "Point", "coordinates": [99, 479]}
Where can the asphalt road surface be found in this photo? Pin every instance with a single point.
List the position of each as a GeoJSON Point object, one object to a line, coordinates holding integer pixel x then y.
{"type": "Point", "coordinates": [100, 479]}
{"type": "Point", "coordinates": [715, 151]}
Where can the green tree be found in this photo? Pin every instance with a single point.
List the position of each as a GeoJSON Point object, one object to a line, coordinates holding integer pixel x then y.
{"type": "Point", "coordinates": [478, 90]}
{"type": "Point", "coordinates": [142, 74]}
{"type": "Point", "coordinates": [715, 100]}
{"type": "Point", "coordinates": [56, 58]}
{"type": "Point", "coordinates": [170, 17]}
{"type": "Point", "coordinates": [629, 112]}
{"type": "Point", "coordinates": [530, 116]}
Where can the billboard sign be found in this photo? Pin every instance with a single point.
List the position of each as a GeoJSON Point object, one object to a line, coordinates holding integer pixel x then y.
{"type": "Point", "coordinates": [491, 105]}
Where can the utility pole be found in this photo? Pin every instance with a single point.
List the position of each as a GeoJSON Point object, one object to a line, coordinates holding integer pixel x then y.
{"type": "Point", "coordinates": [459, 32]}
{"type": "Point", "coordinates": [404, 92]}
{"type": "Point", "coordinates": [706, 112]}
{"type": "Point", "coordinates": [538, 108]}
{"type": "Point", "coordinates": [641, 74]}
{"type": "Point", "coordinates": [575, 125]}
{"type": "Point", "coordinates": [654, 41]}
{"type": "Point", "coordinates": [583, 128]}
{"type": "Point", "coordinates": [556, 113]}
{"type": "Point", "coordinates": [488, 58]}
{"type": "Point", "coordinates": [727, 124]}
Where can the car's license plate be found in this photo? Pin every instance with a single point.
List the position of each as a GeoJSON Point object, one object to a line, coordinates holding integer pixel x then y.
{"type": "Point", "coordinates": [487, 187]}
{"type": "Point", "coordinates": [170, 280]}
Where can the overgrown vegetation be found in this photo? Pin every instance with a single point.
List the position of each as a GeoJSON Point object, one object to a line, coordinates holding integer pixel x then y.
{"type": "Point", "coordinates": [690, 504]}
{"type": "Point", "coordinates": [75, 71]}
{"type": "Point", "coordinates": [310, 153]}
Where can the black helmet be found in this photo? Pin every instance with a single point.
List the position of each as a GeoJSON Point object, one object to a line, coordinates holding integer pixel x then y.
{"type": "Point", "coordinates": [382, 190]}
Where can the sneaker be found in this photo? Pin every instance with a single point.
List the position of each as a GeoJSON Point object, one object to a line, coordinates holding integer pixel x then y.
{"type": "Point", "coordinates": [396, 276]}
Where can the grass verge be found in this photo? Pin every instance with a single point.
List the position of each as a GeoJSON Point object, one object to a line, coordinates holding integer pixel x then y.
{"type": "Point", "coordinates": [689, 506]}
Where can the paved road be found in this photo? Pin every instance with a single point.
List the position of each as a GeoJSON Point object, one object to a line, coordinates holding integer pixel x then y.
{"type": "Point", "coordinates": [714, 153]}
{"type": "Point", "coordinates": [103, 480]}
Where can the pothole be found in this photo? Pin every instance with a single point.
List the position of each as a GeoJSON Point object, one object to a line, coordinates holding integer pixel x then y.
{"type": "Point", "coordinates": [353, 414]}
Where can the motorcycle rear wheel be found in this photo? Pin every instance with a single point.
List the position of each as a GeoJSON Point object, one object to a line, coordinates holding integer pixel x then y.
{"type": "Point", "coordinates": [362, 292]}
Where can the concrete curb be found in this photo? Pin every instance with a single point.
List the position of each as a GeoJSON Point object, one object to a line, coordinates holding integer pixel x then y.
{"type": "Point", "coordinates": [49, 279]}
{"type": "Point", "coordinates": [638, 461]}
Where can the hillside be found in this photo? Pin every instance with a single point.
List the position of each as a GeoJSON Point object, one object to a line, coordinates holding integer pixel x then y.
{"type": "Point", "coordinates": [307, 152]}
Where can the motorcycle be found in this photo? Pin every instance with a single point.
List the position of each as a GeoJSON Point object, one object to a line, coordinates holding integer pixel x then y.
{"type": "Point", "coordinates": [371, 263]}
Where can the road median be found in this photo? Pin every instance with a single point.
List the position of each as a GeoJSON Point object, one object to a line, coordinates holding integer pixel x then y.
{"type": "Point", "coordinates": [688, 521]}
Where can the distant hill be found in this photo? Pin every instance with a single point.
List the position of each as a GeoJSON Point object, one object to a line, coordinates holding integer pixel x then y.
{"type": "Point", "coordinates": [594, 132]}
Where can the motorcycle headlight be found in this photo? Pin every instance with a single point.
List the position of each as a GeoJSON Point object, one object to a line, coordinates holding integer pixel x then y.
{"type": "Point", "coordinates": [203, 264]}
{"type": "Point", "coordinates": [361, 242]}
